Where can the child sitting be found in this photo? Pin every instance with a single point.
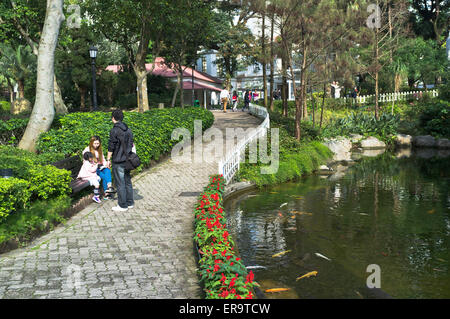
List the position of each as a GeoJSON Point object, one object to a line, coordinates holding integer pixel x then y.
{"type": "Point", "coordinates": [88, 172]}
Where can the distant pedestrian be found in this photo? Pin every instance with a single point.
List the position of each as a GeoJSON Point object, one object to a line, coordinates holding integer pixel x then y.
{"type": "Point", "coordinates": [224, 98]}
{"type": "Point", "coordinates": [235, 100]}
{"type": "Point", "coordinates": [247, 98]}
{"type": "Point", "coordinates": [120, 145]}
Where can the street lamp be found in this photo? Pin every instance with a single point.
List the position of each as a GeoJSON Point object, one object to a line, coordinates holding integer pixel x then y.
{"type": "Point", "coordinates": [93, 54]}
{"type": "Point", "coordinates": [193, 92]}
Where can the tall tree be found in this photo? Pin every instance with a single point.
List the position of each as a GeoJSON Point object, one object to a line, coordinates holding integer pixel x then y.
{"type": "Point", "coordinates": [188, 27]}
{"type": "Point", "coordinates": [135, 25]}
{"type": "Point", "coordinates": [43, 111]}
{"type": "Point", "coordinates": [24, 19]}
{"type": "Point", "coordinates": [431, 19]}
{"type": "Point", "coordinates": [378, 41]}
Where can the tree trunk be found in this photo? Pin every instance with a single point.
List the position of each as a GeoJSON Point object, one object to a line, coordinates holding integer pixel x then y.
{"type": "Point", "coordinates": [181, 72]}
{"type": "Point", "coordinates": [376, 73]}
{"type": "Point", "coordinates": [272, 68]}
{"type": "Point", "coordinates": [43, 111]}
{"type": "Point", "coordinates": [11, 90]}
{"type": "Point", "coordinates": [303, 83]}
{"type": "Point", "coordinates": [60, 107]}
{"type": "Point", "coordinates": [141, 76]}
{"type": "Point", "coordinates": [323, 105]}
{"type": "Point", "coordinates": [263, 48]}
{"type": "Point", "coordinates": [284, 92]}
{"type": "Point", "coordinates": [82, 91]}
{"type": "Point", "coordinates": [21, 89]}
{"type": "Point", "coordinates": [174, 98]}
{"type": "Point", "coordinates": [139, 66]}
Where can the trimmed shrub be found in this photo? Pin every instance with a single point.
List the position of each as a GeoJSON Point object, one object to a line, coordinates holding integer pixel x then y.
{"type": "Point", "coordinates": [152, 131]}
{"type": "Point", "coordinates": [11, 131]}
{"type": "Point", "coordinates": [14, 194]}
{"type": "Point", "coordinates": [49, 181]}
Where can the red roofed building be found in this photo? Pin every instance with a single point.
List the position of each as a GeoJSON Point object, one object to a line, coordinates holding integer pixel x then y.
{"type": "Point", "coordinates": [206, 87]}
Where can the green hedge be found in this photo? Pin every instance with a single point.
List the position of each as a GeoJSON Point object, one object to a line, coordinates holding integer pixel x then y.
{"type": "Point", "coordinates": [33, 178]}
{"type": "Point", "coordinates": [152, 130]}
{"type": "Point", "coordinates": [14, 194]}
{"type": "Point", "coordinates": [11, 131]}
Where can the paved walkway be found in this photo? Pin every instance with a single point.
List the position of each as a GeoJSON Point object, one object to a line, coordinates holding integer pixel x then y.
{"type": "Point", "coordinates": [146, 252]}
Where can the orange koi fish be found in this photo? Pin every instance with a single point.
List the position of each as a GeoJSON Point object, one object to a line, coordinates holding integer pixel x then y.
{"type": "Point", "coordinates": [311, 273]}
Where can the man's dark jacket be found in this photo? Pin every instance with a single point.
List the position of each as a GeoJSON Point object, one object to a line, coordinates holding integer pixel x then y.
{"type": "Point", "coordinates": [120, 142]}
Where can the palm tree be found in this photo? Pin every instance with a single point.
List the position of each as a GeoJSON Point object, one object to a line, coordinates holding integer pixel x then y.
{"type": "Point", "coordinates": [17, 63]}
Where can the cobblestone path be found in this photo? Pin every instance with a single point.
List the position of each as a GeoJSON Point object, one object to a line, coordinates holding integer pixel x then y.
{"type": "Point", "coordinates": [146, 252]}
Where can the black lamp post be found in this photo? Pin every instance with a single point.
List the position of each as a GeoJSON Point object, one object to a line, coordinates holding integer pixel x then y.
{"type": "Point", "coordinates": [193, 92]}
{"type": "Point", "coordinates": [93, 54]}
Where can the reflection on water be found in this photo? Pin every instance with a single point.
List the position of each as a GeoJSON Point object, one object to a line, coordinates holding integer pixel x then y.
{"type": "Point", "coordinates": [393, 212]}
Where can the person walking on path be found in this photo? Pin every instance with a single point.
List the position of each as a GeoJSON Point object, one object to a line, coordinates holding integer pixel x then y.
{"type": "Point", "coordinates": [224, 98]}
{"type": "Point", "coordinates": [246, 100]}
{"type": "Point", "coordinates": [235, 100]}
{"type": "Point", "coordinates": [95, 147]}
{"type": "Point", "coordinates": [120, 145]}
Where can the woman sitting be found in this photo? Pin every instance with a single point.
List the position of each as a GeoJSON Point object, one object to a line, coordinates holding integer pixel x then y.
{"type": "Point", "coordinates": [103, 171]}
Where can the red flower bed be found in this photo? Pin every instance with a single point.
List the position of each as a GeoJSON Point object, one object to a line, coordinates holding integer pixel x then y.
{"type": "Point", "coordinates": [224, 275]}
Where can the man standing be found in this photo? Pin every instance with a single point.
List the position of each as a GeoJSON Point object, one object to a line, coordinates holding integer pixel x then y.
{"type": "Point", "coordinates": [224, 97]}
{"type": "Point", "coordinates": [120, 145]}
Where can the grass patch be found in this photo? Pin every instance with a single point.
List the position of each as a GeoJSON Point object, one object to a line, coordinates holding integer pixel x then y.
{"type": "Point", "coordinates": [23, 225]}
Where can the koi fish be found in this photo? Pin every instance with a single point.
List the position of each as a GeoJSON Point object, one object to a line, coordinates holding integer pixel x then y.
{"type": "Point", "coordinates": [256, 267]}
{"type": "Point", "coordinates": [281, 254]}
{"type": "Point", "coordinates": [277, 289]}
{"type": "Point", "coordinates": [364, 214]}
{"type": "Point", "coordinates": [284, 204]}
{"type": "Point", "coordinates": [322, 256]}
{"type": "Point", "coordinates": [273, 192]}
{"type": "Point", "coordinates": [431, 211]}
{"type": "Point", "coordinates": [280, 214]}
{"type": "Point", "coordinates": [360, 296]}
{"type": "Point", "coordinates": [300, 213]}
{"type": "Point", "coordinates": [311, 273]}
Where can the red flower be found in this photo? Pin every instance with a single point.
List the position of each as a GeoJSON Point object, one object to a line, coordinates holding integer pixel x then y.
{"type": "Point", "coordinates": [249, 277]}
{"type": "Point", "coordinates": [225, 235]}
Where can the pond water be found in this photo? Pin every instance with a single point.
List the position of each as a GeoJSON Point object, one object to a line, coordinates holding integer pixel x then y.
{"type": "Point", "coordinates": [391, 212]}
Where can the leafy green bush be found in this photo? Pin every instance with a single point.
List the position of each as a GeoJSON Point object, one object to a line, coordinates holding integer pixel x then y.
{"type": "Point", "coordinates": [11, 131]}
{"type": "Point", "coordinates": [14, 194]}
{"type": "Point", "coordinates": [364, 124]}
{"type": "Point", "coordinates": [152, 130]}
{"type": "Point", "coordinates": [295, 160]}
{"type": "Point", "coordinates": [49, 181]}
{"type": "Point", "coordinates": [435, 119]}
{"type": "Point", "coordinates": [5, 106]}
{"type": "Point", "coordinates": [444, 91]}
{"type": "Point", "coordinates": [46, 181]}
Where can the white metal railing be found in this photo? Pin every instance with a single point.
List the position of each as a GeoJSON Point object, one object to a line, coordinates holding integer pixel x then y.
{"type": "Point", "coordinates": [230, 163]}
{"type": "Point", "coordinates": [392, 97]}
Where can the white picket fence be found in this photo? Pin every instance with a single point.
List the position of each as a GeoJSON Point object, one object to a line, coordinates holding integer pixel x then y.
{"type": "Point", "coordinates": [392, 97]}
{"type": "Point", "coordinates": [230, 163]}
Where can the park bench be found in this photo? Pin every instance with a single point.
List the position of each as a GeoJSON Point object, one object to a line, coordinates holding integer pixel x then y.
{"type": "Point", "coordinates": [73, 164]}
